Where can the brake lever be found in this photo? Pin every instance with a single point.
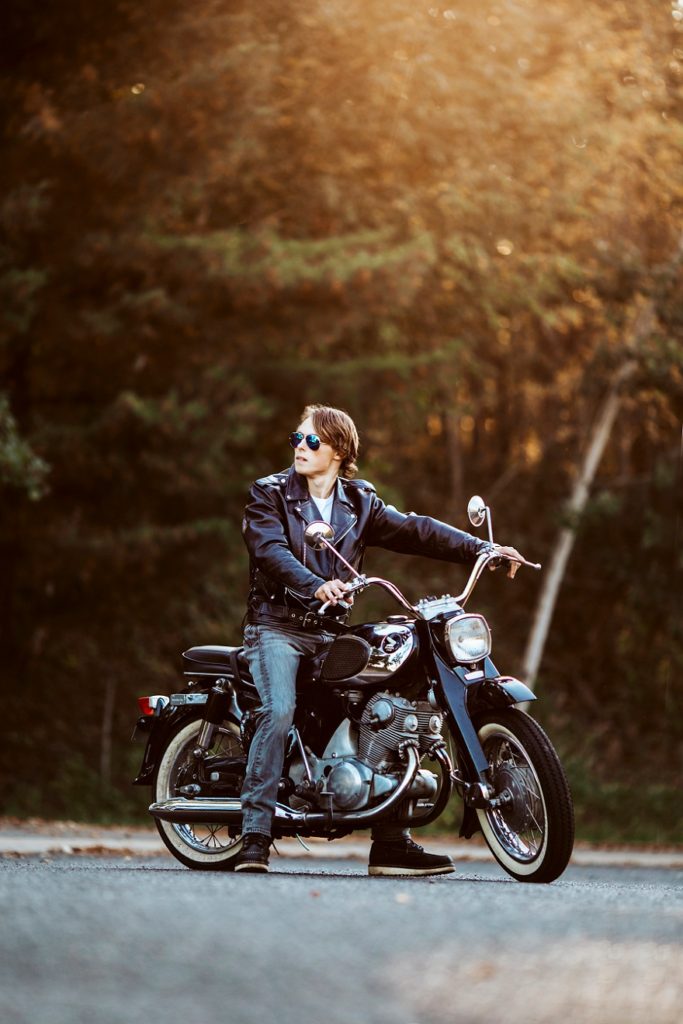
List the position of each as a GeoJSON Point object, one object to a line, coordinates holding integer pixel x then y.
{"type": "Point", "coordinates": [504, 560]}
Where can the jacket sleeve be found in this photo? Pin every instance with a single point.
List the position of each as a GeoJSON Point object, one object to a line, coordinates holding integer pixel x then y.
{"type": "Point", "coordinates": [269, 548]}
{"type": "Point", "coordinates": [421, 535]}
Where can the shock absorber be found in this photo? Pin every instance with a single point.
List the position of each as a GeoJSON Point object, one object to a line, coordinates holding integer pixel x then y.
{"type": "Point", "coordinates": [217, 707]}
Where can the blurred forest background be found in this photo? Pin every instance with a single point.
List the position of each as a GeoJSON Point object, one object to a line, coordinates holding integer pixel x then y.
{"type": "Point", "coordinates": [462, 224]}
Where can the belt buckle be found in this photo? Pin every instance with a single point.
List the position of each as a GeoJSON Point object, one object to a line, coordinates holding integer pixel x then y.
{"type": "Point", "coordinates": [310, 624]}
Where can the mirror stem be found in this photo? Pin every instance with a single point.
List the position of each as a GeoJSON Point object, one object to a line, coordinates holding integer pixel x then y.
{"type": "Point", "coordinates": [489, 523]}
{"type": "Point", "coordinates": [340, 557]}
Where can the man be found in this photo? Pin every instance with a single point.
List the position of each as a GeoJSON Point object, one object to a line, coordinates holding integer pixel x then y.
{"type": "Point", "coordinates": [287, 578]}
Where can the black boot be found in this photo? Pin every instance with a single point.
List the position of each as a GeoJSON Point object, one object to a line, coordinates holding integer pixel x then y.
{"type": "Point", "coordinates": [405, 857]}
{"type": "Point", "coordinates": [254, 853]}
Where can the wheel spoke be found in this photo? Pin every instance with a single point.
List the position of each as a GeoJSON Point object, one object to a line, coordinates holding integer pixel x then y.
{"type": "Point", "coordinates": [211, 840]}
{"type": "Point", "coordinates": [519, 826]}
{"type": "Point", "coordinates": [211, 837]}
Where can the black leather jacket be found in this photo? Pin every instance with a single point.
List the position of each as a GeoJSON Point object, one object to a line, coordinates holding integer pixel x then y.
{"type": "Point", "coordinates": [285, 571]}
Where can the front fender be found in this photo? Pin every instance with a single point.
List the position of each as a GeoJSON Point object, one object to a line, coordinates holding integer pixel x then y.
{"type": "Point", "coordinates": [489, 694]}
{"type": "Point", "coordinates": [497, 692]}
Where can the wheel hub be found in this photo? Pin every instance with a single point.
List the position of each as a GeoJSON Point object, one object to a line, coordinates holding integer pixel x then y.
{"type": "Point", "coordinates": [516, 812]}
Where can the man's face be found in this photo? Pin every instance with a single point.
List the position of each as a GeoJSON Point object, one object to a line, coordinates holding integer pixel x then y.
{"type": "Point", "coordinates": [310, 463]}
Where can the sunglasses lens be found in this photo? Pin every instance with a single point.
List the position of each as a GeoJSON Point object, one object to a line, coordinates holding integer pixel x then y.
{"type": "Point", "coordinates": [312, 440]}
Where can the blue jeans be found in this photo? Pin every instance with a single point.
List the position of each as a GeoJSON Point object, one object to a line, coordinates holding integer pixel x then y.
{"type": "Point", "coordinates": [274, 655]}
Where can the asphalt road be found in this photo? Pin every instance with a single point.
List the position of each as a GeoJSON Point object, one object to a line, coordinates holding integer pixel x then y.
{"type": "Point", "coordinates": [114, 940]}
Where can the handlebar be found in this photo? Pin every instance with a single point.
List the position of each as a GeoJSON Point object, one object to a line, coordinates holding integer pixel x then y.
{"type": "Point", "coordinates": [361, 582]}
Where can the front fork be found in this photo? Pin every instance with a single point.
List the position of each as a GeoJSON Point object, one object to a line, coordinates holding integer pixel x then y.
{"type": "Point", "coordinates": [451, 692]}
{"type": "Point", "coordinates": [452, 686]}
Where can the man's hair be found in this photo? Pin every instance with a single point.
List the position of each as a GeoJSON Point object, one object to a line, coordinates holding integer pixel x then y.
{"type": "Point", "coordinates": [338, 429]}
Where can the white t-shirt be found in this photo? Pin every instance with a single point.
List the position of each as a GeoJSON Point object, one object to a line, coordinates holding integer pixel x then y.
{"type": "Point", "coordinates": [324, 507]}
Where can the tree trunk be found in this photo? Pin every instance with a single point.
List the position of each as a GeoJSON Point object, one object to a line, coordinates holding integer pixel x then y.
{"type": "Point", "coordinates": [565, 542]}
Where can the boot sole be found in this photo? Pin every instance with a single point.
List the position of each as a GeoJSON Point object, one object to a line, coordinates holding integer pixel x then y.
{"type": "Point", "coordinates": [380, 869]}
{"type": "Point", "coordinates": [255, 868]}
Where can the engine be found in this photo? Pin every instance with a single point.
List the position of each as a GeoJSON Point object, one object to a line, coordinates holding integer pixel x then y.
{"type": "Point", "coordinates": [362, 765]}
{"type": "Point", "coordinates": [388, 722]}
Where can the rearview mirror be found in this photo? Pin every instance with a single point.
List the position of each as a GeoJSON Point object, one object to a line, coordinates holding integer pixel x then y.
{"type": "Point", "coordinates": [476, 510]}
{"type": "Point", "coordinates": [318, 532]}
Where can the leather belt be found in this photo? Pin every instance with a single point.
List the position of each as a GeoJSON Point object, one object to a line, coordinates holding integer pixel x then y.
{"type": "Point", "coordinates": [280, 615]}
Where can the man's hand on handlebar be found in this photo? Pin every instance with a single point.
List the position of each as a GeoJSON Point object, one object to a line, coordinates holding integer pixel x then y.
{"type": "Point", "coordinates": [509, 557]}
{"type": "Point", "coordinates": [333, 591]}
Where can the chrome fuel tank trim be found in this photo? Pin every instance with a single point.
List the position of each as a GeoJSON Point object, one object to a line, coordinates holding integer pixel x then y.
{"type": "Point", "coordinates": [391, 645]}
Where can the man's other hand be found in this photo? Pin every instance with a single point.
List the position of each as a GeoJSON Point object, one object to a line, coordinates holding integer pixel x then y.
{"type": "Point", "coordinates": [511, 554]}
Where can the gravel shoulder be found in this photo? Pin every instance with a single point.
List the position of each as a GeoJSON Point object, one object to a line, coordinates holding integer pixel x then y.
{"type": "Point", "coordinates": [37, 836]}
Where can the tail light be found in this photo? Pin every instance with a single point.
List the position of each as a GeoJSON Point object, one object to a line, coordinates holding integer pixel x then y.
{"type": "Point", "coordinates": [149, 705]}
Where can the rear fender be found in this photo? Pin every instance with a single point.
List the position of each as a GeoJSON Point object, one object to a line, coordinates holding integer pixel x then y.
{"type": "Point", "coordinates": [183, 707]}
{"type": "Point", "coordinates": [171, 719]}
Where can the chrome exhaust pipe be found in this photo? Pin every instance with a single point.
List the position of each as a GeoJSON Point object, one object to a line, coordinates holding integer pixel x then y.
{"type": "Point", "coordinates": [228, 811]}
{"type": "Point", "coordinates": [198, 809]}
{"type": "Point", "coordinates": [444, 795]}
{"type": "Point", "coordinates": [209, 809]}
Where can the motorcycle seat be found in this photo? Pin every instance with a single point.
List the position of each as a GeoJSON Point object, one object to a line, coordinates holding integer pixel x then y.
{"type": "Point", "coordinates": [214, 660]}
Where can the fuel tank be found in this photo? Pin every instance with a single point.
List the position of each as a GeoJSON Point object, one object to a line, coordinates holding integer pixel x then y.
{"type": "Point", "coordinates": [392, 644]}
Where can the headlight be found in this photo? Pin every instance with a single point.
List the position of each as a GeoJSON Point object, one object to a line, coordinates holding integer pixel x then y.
{"type": "Point", "coordinates": [469, 638]}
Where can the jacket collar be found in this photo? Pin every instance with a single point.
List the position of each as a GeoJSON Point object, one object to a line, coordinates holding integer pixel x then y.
{"type": "Point", "coordinates": [297, 489]}
{"type": "Point", "coordinates": [343, 516]}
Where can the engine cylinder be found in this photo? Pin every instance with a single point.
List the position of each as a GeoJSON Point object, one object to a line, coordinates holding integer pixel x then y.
{"type": "Point", "coordinates": [382, 732]}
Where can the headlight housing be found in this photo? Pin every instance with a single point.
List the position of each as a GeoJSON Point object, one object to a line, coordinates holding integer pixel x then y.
{"type": "Point", "coordinates": [469, 638]}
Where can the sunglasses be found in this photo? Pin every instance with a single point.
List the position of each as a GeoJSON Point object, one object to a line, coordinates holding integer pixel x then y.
{"type": "Point", "coordinates": [312, 440]}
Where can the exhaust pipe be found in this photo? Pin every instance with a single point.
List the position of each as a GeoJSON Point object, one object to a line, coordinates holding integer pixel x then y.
{"type": "Point", "coordinates": [228, 811]}
{"type": "Point", "coordinates": [445, 793]}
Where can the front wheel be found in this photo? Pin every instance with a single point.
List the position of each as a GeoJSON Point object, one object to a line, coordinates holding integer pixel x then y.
{"type": "Point", "coordinates": [206, 847]}
{"type": "Point", "coordinates": [531, 835]}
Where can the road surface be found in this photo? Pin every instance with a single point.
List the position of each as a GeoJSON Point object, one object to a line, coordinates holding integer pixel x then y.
{"type": "Point", "coordinates": [133, 940]}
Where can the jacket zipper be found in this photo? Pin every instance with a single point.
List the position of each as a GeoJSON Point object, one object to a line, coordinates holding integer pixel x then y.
{"type": "Point", "coordinates": [337, 540]}
{"type": "Point", "coordinates": [342, 535]}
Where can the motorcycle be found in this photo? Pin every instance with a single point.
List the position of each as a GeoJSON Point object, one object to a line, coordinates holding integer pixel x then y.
{"type": "Point", "coordinates": [392, 719]}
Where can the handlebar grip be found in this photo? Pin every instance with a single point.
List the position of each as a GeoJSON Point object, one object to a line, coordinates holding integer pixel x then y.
{"type": "Point", "coordinates": [344, 605]}
{"type": "Point", "coordinates": [503, 561]}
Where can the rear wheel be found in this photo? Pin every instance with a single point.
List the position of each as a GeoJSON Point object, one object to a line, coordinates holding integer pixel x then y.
{"type": "Point", "coordinates": [531, 835]}
{"type": "Point", "coordinates": [205, 847]}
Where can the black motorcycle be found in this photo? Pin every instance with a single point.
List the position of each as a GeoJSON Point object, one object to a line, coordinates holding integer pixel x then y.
{"type": "Point", "coordinates": [392, 718]}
